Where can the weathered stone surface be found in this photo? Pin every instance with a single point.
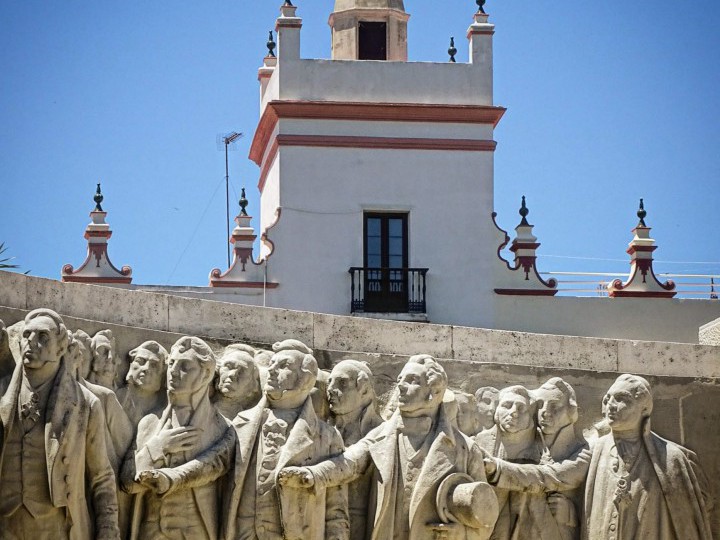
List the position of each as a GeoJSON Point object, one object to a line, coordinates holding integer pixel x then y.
{"type": "Point", "coordinates": [376, 336]}
{"type": "Point", "coordinates": [710, 333]}
{"type": "Point", "coordinates": [13, 290]}
{"type": "Point", "coordinates": [236, 322]}
{"type": "Point", "coordinates": [520, 348]}
{"type": "Point", "coordinates": [111, 304]}
{"type": "Point", "coordinates": [670, 359]}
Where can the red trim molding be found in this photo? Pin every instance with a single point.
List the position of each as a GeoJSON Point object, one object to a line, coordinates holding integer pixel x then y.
{"type": "Point", "coordinates": [387, 143]}
{"type": "Point", "coordinates": [267, 164]}
{"type": "Point", "coordinates": [526, 292]}
{"type": "Point", "coordinates": [81, 279]}
{"type": "Point", "coordinates": [641, 294]}
{"type": "Point", "coordinates": [383, 112]}
{"type": "Point", "coordinates": [243, 284]}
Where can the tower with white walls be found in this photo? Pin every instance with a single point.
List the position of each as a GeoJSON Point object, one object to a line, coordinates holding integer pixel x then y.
{"type": "Point", "coordinates": [376, 174]}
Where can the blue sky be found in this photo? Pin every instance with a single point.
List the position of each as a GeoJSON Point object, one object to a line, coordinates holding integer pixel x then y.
{"type": "Point", "coordinates": [607, 102]}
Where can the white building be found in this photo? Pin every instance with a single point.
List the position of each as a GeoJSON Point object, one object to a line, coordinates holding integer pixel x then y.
{"type": "Point", "coordinates": [376, 181]}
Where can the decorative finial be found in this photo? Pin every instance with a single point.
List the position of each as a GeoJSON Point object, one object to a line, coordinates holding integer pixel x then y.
{"type": "Point", "coordinates": [271, 45]}
{"type": "Point", "coordinates": [524, 212]}
{"type": "Point", "coordinates": [480, 4]}
{"type": "Point", "coordinates": [452, 51]}
{"type": "Point", "coordinates": [641, 213]}
{"type": "Point", "coordinates": [98, 198]}
{"type": "Point", "coordinates": [288, 3]}
{"type": "Point", "coordinates": [243, 203]}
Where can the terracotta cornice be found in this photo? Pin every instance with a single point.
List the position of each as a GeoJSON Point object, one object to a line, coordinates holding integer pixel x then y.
{"type": "Point", "coordinates": [383, 112]}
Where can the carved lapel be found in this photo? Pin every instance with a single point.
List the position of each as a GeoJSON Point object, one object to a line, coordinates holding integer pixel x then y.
{"type": "Point", "coordinates": [302, 435]}
{"type": "Point", "coordinates": [63, 402]}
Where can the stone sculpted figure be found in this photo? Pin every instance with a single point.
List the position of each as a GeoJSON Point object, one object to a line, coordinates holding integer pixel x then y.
{"type": "Point", "coordinates": [84, 344]}
{"type": "Point", "coordinates": [351, 398]}
{"type": "Point", "coordinates": [178, 457]}
{"type": "Point", "coordinates": [514, 438]}
{"type": "Point", "coordinates": [639, 485]}
{"type": "Point", "coordinates": [53, 457]}
{"type": "Point", "coordinates": [103, 370]}
{"type": "Point", "coordinates": [237, 381]}
{"type": "Point", "coordinates": [487, 398]}
{"type": "Point", "coordinates": [469, 420]}
{"type": "Point", "coordinates": [429, 480]}
{"type": "Point", "coordinates": [283, 430]}
{"type": "Point", "coordinates": [145, 389]}
{"type": "Point", "coordinates": [558, 511]}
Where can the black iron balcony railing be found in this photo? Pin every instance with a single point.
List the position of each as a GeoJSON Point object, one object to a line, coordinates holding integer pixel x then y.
{"type": "Point", "coordinates": [388, 290]}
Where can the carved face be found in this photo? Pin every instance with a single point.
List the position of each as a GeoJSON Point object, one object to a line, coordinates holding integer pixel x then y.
{"type": "Point", "coordinates": [468, 418]}
{"type": "Point", "coordinates": [39, 344]}
{"type": "Point", "coordinates": [185, 374]}
{"type": "Point", "coordinates": [85, 359]}
{"type": "Point", "coordinates": [103, 368]}
{"type": "Point", "coordinates": [487, 404]}
{"type": "Point", "coordinates": [413, 389]}
{"type": "Point", "coordinates": [234, 376]}
{"type": "Point", "coordinates": [622, 410]}
{"type": "Point", "coordinates": [553, 410]}
{"type": "Point", "coordinates": [283, 375]}
{"type": "Point", "coordinates": [146, 371]}
{"type": "Point", "coordinates": [343, 393]}
{"type": "Point", "coordinates": [513, 412]}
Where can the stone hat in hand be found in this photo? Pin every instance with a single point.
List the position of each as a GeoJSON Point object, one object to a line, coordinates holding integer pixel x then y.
{"type": "Point", "coordinates": [461, 499]}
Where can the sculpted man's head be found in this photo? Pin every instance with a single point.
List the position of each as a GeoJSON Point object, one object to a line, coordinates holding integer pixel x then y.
{"type": "Point", "coordinates": [487, 400]}
{"type": "Point", "coordinates": [103, 363]}
{"type": "Point", "coordinates": [84, 350]}
{"type": "Point", "coordinates": [557, 406]}
{"type": "Point", "coordinates": [147, 367]}
{"type": "Point", "coordinates": [468, 416]}
{"type": "Point", "coordinates": [44, 339]}
{"type": "Point", "coordinates": [350, 387]}
{"type": "Point", "coordinates": [515, 410]}
{"type": "Point", "coordinates": [190, 368]}
{"type": "Point", "coordinates": [291, 373]}
{"type": "Point", "coordinates": [627, 403]}
{"type": "Point", "coordinates": [237, 373]}
{"type": "Point", "coordinates": [421, 386]}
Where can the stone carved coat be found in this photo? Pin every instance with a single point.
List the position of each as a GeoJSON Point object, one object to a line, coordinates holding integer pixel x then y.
{"type": "Point", "coordinates": [450, 451]}
{"type": "Point", "coordinates": [205, 464]}
{"type": "Point", "coordinates": [684, 489]}
{"type": "Point", "coordinates": [318, 514]}
{"type": "Point", "coordinates": [76, 454]}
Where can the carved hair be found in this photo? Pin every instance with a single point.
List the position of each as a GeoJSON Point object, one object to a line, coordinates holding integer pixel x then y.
{"type": "Point", "coordinates": [556, 383]}
{"type": "Point", "coordinates": [308, 366]}
{"type": "Point", "coordinates": [83, 337]}
{"type": "Point", "coordinates": [240, 347]}
{"type": "Point", "coordinates": [153, 347]}
{"type": "Point", "coordinates": [107, 334]}
{"type": "Point", "coordinates": [518, 390]}
{"type": "Point", "coordinates": [61, 331]}
{"type": "Point", "coordinates": [640, 389]}
{"type": "Point", "coordinates": [239, 350]}
{"type": "Point", "coordinates": [364, 376]}
{"type": "Point", "coordinates": [436, 377]}
{"type": "Point", "coordinates": [480, 392]}
{"type": "Point", "coordinates": [203, 352]}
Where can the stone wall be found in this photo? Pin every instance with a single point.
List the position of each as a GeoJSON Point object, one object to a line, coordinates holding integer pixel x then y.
{"type": "Point", "coordinates": [710, 333]}
{"type": "Point", "coordinates": [685, 378]}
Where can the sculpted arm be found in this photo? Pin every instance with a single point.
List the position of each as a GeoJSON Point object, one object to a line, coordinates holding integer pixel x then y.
{"type": "Point", "coordinates": [345, 468]}
{"type": "Point", "coordinates": [100, 476]}
{"type": "Point", "coordinates": [205, 468]}
{"type": "Point", "coordinates": [337, 521]}
{"type": "Point", "coordinates": [562, 476]}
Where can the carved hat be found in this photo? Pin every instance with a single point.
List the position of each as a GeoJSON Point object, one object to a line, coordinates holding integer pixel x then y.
{"type": "Point", "coordinates": [460, 499]}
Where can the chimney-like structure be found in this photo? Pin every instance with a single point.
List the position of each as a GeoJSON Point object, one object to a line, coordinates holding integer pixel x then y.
{"type": "Point", "coordinates": [369, 30]}
{"type": "Point", "coordinates": [524, 278]}
{"type": "Point", "coordinates": [97, 267]}
{"type": "Point", "coordinates": [642, 282]}
{"type": "Point", "coordinates": [244, 272]}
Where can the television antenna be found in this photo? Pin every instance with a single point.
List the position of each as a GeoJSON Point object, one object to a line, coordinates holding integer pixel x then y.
{"type": "Point", "coordinates": [228, 139]}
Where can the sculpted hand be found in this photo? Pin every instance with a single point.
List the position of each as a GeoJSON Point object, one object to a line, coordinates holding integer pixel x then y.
{"type": "Point", "coordinates": [490, 466]}
{"type": "Point", "coordinates": [174, 440]}
{"type": "Point", "coordinates": [154, 481]}
{"type": "Point", "coordinates": [296, 477]}
{"type": "Point", "coordinates": [562, 509]}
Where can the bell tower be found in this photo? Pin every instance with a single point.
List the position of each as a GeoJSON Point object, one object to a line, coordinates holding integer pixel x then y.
{"type": "Point", "coordinates": [369, 30]}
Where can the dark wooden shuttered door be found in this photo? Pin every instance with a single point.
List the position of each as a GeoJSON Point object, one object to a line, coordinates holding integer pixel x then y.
{"type": "Point", "coordinates": [386, 262]}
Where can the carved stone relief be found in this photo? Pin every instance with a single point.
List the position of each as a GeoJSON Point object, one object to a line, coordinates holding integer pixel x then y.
{"type": "Point", "coordinates": [245, 443]}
